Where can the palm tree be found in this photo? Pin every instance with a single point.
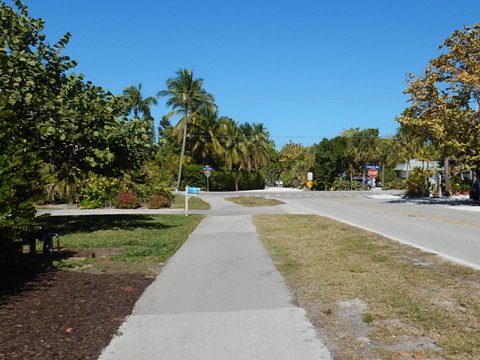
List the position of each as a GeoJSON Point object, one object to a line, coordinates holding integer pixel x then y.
{"type": "Point", "coordinates": [185, 96]}
{"type": "Point", "coordinates": [232, 142]}
{"type": "Point", "coordinates": [140, 106]}
{"type": "Point", "coordinates": [257, 146]}
{"type": "Point", "coordinates": [204, 144]}
{"type": "Point", "coordinates": [363, 148]}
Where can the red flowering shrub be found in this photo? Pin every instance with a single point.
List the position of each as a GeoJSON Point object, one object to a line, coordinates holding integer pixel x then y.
{"type": "Point", "coordinates": [126, 201]}
{"type": "Point", "coordinates": [159, 201]}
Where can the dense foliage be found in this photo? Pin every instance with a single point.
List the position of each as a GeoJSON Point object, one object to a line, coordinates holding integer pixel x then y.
{"type": "Point", "coordinates": [64, 139]}
{"type": "Point", "coordinates": [55, 127]}
{"type": "Point", "coordinates": [445, 99]}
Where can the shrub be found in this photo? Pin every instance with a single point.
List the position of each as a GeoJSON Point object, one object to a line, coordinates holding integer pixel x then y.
{"type": "Point", "coordinates": [250, 181]}
{"type": "Point", "coordinates": [97, 191]}
{"type": "Point", "coordinates": [399, 184]}
{"type": "Point", "coordinates": [339, 185]}
{"type": "Point", "coordinates": [126, 201]}
{"type": "Point", "coordinates": [193, 176]}
{"type": "Point", "coordinates": [222, 180]}
{"type": "Point", "coordinates": [417, 183]}
{"type": "Point", "coordinates": [159, 201]}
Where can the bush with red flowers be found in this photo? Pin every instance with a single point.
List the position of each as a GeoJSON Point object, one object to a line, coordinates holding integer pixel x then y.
{"type": "Point", "coordinates": [126, 200]}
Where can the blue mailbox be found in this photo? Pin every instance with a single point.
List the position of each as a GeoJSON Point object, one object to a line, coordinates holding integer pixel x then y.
{"type": "Point", "coordinates": [193, 190]}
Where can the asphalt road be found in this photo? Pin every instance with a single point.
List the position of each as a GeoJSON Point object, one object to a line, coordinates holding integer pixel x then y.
{"type": "Point", "coordinates": [440, 227]}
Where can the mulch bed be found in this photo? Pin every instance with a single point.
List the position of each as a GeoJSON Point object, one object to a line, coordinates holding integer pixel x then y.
{"type": "Point", "coordinates": [50, 314]}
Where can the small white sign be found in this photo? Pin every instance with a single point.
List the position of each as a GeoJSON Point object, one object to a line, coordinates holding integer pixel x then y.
{"type": "Point", "coordinates": [310, 176]}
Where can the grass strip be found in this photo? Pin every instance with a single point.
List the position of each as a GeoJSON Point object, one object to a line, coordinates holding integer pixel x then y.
{"type": "Point", "coordinates": [120, 243]}
{"type": "Point", "coordinates": [373, 298]}
{"type": "Point", "coordinates": [194, 203]}
{"type": "Point", "coordinates": [254, 201]}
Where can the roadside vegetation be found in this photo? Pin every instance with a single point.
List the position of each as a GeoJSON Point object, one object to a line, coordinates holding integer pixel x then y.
{"type": "Point", "coordinates": [119, 243]}
{"type": "Point", "coordinates": [64, 139]}
{"type": "Point", "coordinates": [194, 203]}
{"type": "Point", "coordinates": [254, 201]}
{"type": "Point", "coordinates": [371, 297]}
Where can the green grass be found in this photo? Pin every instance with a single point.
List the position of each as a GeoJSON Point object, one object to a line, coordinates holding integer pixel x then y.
{"type": "Point", "coordinates": [118, 243]}
{"type": "Point", "coordinates": [254, 201]}
{"type": "Point", "coordinates": [409, 297]}
{"type": "Point", "coordinates": [194, 203]}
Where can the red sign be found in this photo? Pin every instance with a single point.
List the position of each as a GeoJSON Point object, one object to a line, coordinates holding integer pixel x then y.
{"type": "Point", "coordinates": [372, 173]}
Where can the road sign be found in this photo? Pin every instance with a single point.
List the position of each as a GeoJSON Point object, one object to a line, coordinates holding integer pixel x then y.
{"type": "Point", "coordinates": [207, 168]}
{"type": "Point", "coordinates": [372, 173]}
{"type": "Point", "coordinates": [378, 167]}
{"type": "Point", "coordinates": [207, 173]}
{"type": "Point", "coordinates": [309, 184]}
{"type": "Point", "coordinates": [310, 175]}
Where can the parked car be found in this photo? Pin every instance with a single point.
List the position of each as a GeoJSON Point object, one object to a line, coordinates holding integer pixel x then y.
{"type": "Point", "coordinates": [475, 191]}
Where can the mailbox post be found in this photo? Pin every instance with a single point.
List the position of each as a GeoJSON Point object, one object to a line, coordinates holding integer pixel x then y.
{"type": "Point", "coordinates": [190, 191]}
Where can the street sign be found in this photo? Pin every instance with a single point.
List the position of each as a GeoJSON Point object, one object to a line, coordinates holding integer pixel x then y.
{"type": "Point", "coordinates": [207, 171]}
{"type": "Point", "coordinates": [378, 167]}
{"type": "Point", "coordinates": [372, 173]}
{"type": "Point", "coordinates": [310, 175]}
{"type": "Point", "coordinates": [310, 184]}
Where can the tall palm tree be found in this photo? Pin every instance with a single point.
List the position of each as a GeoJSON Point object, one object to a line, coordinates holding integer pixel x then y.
{"type": "Point", "coordinates": [140, 106]}
{"type": "Point", "coordinates": [232, 143]}
{"type": "Point", "coordinates": [363, 148]}
{"type": "Point", "coordinates": [257, 146]}
{"type": "Point", "coordinates": [185, 96]}
{"type": "Point", "coordinates": [204, 129]}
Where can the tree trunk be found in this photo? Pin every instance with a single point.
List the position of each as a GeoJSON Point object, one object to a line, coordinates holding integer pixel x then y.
{"type": "Point", "coordinates": [383, 174]}
{"type": "Point", "coordinates": [182, 154]}
{"type": "Point", "coordinates": [446, 167]}
{"type": "Point", "coordinates": [350, 172]}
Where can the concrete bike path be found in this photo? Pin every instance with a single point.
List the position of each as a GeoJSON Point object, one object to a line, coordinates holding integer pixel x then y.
{"type": "Point", "coordinates": [219, 297]}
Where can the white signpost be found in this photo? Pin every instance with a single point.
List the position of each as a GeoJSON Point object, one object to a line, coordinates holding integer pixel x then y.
{"type": "Point", "coordinates": [189, 192]}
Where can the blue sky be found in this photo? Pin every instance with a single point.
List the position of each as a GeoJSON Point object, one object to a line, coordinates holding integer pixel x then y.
{"type": "Point", "coordinates": [307, 69]}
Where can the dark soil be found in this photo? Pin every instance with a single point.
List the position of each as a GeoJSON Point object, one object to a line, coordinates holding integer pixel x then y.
{"type": "Point", "coordinates": [50, 314]}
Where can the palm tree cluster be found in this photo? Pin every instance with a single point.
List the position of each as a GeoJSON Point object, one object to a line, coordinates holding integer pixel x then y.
{"type": "Point", "coordinates": [207, 137]}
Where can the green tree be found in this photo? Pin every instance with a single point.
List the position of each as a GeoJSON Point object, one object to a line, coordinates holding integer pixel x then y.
{"type": "Point", "coordinates": [388, 157]}
{"type": "Point", "coordinates": [296, 161]}
{"type": "Point", "coordinates": [445, 99]}
{"type": "Point", "coordinates": [331, 161]}
{"type": "Point", "coordinates": [66, 124]}
{"type": "Point", "coordinates": [140, 106]}
{"type": "Point", "coordinates": [256, 146]}
{"type": "Point", "coordinates": [186, 96]}
{"type": "Point", "coordinates": [19, 183]}
{"type": "Point", "coordinates": [232, 143]}
{"type": "Point", "coordinates": [362, 149]}
{"type": "Point", "coordinates": [202, 142]}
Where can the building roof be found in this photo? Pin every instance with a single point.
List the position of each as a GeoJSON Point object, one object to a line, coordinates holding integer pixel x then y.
{"type": "Point", "coordinates": [414, 164]}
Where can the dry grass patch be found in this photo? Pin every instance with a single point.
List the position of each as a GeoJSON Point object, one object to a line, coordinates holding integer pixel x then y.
{"type": "Point", "coordinates": [373, 298]}
{"type": "Point", "coordinates": [254, 201]}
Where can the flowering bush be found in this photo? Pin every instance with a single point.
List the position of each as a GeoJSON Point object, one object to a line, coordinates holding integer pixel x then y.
{"type": "Point", "coordinates": [159, 201]}
{"type": "Point", "coordinates": [96, 191]}
{"type": "Point", "coordinates": [126, 200]}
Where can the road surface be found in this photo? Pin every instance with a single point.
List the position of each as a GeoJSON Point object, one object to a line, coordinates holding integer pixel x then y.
{"type": "Point", "coordinates": [435, 226]}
